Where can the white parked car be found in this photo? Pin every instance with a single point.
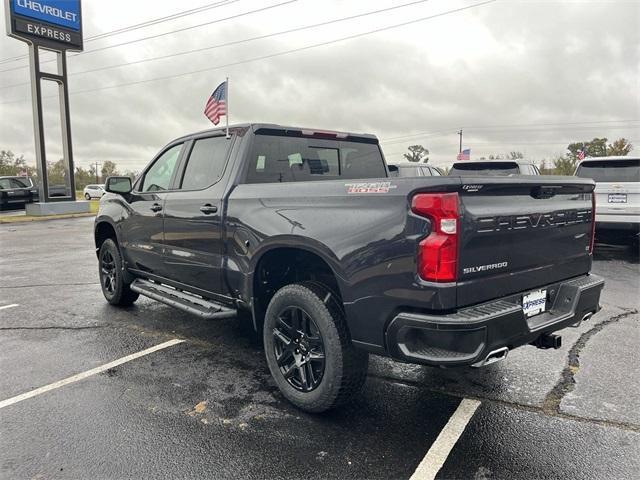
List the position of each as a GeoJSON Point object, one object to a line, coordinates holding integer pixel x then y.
{"type": "Point", "coordinates": [93, 191]}
{"type": "Point", "coordinates": [617, 191]}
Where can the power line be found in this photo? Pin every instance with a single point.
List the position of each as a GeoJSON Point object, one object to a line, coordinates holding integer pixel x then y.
{"type": "Point", "coordinates": [517, 127]}
{"type": "Point", "coordinates": [237, 42]}
{"type": "Point", "coordinates": [158, 35]}
{"type": "Point", "coordinates": [137, 26]}
{"type": "Point", "coordinates": [277, 54]}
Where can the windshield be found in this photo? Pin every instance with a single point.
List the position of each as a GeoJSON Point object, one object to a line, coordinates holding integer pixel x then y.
{"type": "Point", "coordinates": [611, 170]}
{"type": "Point", "coordinates": [484, 168]}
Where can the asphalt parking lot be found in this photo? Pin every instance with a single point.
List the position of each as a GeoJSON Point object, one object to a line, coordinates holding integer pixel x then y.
{"type": "Point", "coordinates": [206, 407]}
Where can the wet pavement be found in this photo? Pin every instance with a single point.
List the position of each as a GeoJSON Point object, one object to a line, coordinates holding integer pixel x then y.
{"type": "Point", "coordinates": [208, 407]}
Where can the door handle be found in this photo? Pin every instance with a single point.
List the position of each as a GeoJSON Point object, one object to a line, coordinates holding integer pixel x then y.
{"type": "Point", "coordinates": [156, 207]}
{"type": "Point", "coordinates": [207, 208]}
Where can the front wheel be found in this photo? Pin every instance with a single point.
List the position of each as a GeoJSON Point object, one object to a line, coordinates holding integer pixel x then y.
{"type": "Point", "coordinates": [114, 288]}
{"type": "Point", "coordinates": [309, 350]}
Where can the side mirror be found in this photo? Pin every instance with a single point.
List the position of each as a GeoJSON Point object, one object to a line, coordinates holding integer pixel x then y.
{"type": "Point", "coordinates": [393, 170]}
{"type": "Point", "coordinates": [119, 185]}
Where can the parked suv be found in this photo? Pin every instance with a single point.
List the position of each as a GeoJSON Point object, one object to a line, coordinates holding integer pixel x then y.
{"type": "Point", "coordinates": [93, 191]}
{"type": "Point", "coordinates": [493, 167]}
{"type": "Point", "coordinates": [15, 192]}
{"type": "Point", "coordinates": [617, 191]}
{"type": "Point", "coordinates": [305, 231]}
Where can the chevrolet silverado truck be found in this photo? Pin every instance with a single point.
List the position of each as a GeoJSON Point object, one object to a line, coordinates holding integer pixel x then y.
{"type": "Point", "coordinates": [333, 259]}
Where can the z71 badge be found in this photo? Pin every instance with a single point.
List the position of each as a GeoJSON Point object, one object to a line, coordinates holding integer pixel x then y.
{"type": "Point", "coordinates": [369, 187]}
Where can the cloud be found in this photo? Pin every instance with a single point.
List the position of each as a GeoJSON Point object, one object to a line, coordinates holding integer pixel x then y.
{"type": "Point", "coordinates": [543, 62]}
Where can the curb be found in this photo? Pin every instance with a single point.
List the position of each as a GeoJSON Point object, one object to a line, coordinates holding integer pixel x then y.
{"type": "Point", "coordinates": [24, 219]}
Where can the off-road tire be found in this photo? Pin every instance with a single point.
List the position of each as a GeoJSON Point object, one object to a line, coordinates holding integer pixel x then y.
{"type": "Point", "coordinates": [345, 367]}
{"type": "Point", "coordinates": [119, 294]}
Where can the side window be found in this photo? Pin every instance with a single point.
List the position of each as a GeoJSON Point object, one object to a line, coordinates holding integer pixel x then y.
{"type": "Point", "coordinates": [5, 183]}
{"type": "Point", "coordinates": [435, 172]}
{"type": "Point", "coordinates": [206, 163]}
{"type": "Point", "coordinates": [19, 183]}
{"type": "Point", "coordinates": [158, 177]}
{"type": "Point", "coordinates": [426, 171]}
{"type": "Point", "coordinates": [361, 160]}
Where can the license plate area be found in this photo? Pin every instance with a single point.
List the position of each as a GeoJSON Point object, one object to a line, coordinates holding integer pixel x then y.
{"type": "Point", "coordinates": [534, 303]}
{"type": "Point", "coordinates": [617, 198]}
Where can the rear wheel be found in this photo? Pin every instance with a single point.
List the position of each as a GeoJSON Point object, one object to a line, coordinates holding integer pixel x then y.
{"type": "Point", "coordinates": [114, 288]}
{"type": "Point", "coordinates": [309, 350]}
{"type": "Point", "coordinates": [87, 196]}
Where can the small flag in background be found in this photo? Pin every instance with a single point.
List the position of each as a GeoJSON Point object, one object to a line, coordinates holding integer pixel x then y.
{"type": "Point", "coordinates": [217, 104]}
{"type": "Point", "coordinates": [464, 154]}
{"type": "Point", "coordinates": [580, 154]}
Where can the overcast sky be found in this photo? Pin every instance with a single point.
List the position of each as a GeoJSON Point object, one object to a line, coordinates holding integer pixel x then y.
{"type": "Point", "coordinates": [514, 75]}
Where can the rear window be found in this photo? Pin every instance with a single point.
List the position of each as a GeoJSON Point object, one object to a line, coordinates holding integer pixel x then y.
{"type": "Point", "coordinates": [611, 170]}
{"type": "Point", "coordinates": [484, 168]}
{"type": "Point", "coordinates": [411, 171]}
{"type": "Point", "coordinates": [299, 159]}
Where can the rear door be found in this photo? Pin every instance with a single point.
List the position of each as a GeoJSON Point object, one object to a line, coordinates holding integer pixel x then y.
{"type": "Point", "coordinates": [520, 233]}
{"type": "Point", "coordinates": [617, 188]}
{"type": "Point", "coordinates": [142, 234]}
{"type": "Point", "coordinates": [193, 213]}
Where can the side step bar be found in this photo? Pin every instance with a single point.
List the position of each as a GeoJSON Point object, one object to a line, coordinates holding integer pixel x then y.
{"type": "Point", "coordinates": [182, 300]}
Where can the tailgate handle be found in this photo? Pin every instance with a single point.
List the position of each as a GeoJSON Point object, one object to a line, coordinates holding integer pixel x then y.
{"type": "Point", "coordinates": [545, 191]}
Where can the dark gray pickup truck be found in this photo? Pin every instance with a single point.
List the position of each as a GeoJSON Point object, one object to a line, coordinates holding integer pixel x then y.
{"type": "Point", "coordinates": [333, 259]}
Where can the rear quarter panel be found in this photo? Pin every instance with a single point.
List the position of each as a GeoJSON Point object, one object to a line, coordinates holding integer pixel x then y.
{"type": "Point", "coordinates": [368, 239]}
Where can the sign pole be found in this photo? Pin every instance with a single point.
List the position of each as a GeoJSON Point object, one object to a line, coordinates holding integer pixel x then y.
{"type": "Point", "coordinates": [38, 130]}
{"type": "Point", "coordinates": [63, 95]}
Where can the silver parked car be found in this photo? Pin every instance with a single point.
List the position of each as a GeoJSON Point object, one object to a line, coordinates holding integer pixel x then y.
{"type": "Point", "coordinates": [617, 191]}
{"type": "Point", "coordinates": [93, 191]}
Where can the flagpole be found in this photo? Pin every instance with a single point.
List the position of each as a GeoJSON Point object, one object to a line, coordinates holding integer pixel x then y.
{"type": "Point", "coordinates": [227, 115]}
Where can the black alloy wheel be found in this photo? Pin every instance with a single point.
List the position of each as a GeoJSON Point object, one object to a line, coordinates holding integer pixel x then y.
{"type": "Point", "coordinates": [108, 272]}
{"type": "Point", "coordinates": [110, 269]}
{"type": "Point", "coordinates": [309, 350]}
{"type": "Point", "coordinates": [299, 349]}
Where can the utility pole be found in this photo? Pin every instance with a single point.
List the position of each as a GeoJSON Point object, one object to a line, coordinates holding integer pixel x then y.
{"type": "Point", "coordinates": [97, 163]}
{"type": "Point", "coordinates": [460, 133]}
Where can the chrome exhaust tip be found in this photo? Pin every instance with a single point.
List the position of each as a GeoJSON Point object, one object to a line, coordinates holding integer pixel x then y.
{"type": "Point", "coordinates": [585, 317]}
{"type": "Point", "coordinates": [493, 357]}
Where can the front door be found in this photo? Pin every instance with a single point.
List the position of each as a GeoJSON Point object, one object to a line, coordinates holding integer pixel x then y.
{"type": "Point", "coordinates": [193, 229]}
{"type": "Point", "coordinates": [142, 234]}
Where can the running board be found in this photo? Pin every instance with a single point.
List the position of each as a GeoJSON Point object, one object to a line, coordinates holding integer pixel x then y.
{"type": "Point", "coordinates": [182, 300]}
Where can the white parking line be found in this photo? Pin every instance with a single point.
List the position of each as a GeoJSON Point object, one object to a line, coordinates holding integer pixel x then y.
{"type": "Point", "coordinates": [9, 306]}
{"type": "Point", "coordinates": [88, 373]}
{"type": "Point", "coordinates": [439, 451]}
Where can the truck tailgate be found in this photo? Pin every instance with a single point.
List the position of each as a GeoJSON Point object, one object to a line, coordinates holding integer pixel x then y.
{"type": "Point", "coordinates": [519, 233]}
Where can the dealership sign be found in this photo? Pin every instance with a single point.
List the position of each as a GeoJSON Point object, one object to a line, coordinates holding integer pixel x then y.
{"type": "Point", "coordinates": [55, 24]}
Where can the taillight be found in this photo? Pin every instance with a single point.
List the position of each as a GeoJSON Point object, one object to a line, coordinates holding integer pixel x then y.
{"type": "Point", "coordinates": [593, 221]}
{"type": "Point", "coordinates": [438, 252]}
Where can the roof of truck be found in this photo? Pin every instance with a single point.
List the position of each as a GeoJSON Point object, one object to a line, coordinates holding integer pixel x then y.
{"type": "Point", "coordinates": [283, 128]}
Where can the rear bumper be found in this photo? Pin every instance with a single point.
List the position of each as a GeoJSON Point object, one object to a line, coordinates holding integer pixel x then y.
{"type": "Point", "coordinates": [467, 336]}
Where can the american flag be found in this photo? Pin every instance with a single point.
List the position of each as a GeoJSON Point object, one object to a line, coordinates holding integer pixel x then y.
{"type": "Point", "coordinates": [217, 104]}
{"type": "Point", "coordinates": [580, 154]}
{"type": "Point", "coordinates": [464, 154]}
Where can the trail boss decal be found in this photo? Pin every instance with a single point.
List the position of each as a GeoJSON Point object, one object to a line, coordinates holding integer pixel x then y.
{"type": "Point", "coordinates": [369, 187]}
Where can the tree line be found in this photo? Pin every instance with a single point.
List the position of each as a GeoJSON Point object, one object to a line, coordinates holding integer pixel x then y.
{"type": "Point", "coordinates": [561, 165]}
{"type": "Point", "coordinates": [14, 165]}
